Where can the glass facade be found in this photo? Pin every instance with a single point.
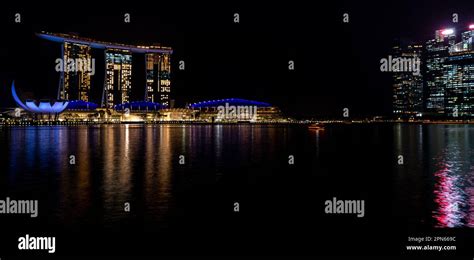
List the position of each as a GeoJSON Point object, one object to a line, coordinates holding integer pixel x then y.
{"type": "Point", "coordinates": [118, 77]}
{"type": "Point", "coordinates": [437, 51]}
{"type": "Point", "coordinates": [450, 75]}
{"type": "Point", "coordinates": [152, 76]}
{"type": "Point", "coordinates": [75, 84]}
{"type": "Point", "coordinates": [408, 86]}
{"type": "Point", "coordinates": [117, 84]}
{"type": "Point", "coordinates": [459, 71]}
{"type": "Point", "coordinates": [165, 79]}
{"type": "Point", "coordinates": [158, 81]}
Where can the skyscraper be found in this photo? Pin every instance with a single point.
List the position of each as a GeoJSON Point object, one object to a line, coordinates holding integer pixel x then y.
{"type": "Point", "coordinates": [437, 51]}
{"type": "Point", "coordinates": [152, 76]}
{"type": "Point", "coordinates": [118, 79]}
{"type": "Point", "coordinates": [459, 74]}
{"type": "Point", "coordinates": [75, 84]}
{"type": "Point", "coordinates": [117, 85]}
{"type": "Point", "coordinates": [158, 81]}
{"type": "Point", "coordinates": [407, 85]}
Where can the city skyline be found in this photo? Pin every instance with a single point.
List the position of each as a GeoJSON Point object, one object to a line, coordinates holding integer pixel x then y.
{"type": "Point", "coordinates": [134, 129]}
{"type": "Point", "coordinates": [441, 88]}
{"type": "Point", "coordinates": [432, 91]}
{"type": "Point", "coordinates": [215, 50]}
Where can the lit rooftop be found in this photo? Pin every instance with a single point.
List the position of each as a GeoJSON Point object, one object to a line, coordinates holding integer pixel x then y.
{"type": "Point", "coordinates": [62, 37]}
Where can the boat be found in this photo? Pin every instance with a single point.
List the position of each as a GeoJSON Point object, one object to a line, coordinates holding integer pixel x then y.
{"type": "Point", "coordinates": [316, 126]}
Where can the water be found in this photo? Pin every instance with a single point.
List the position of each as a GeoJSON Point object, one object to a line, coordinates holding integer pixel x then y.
{"type": "Point", "coordinates": [182, 182]}
{"type": "Point", "coordinates": [440, 173]}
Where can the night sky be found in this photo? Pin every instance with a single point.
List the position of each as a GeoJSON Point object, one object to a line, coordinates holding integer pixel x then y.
{"type": "Point", "coordinates": [336, 64]}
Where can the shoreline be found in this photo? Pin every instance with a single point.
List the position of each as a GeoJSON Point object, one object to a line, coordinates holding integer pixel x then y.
{"type": "Point", "coordinates": [288, 123]}
{"type": "Point", "coordinates": [74, 123]}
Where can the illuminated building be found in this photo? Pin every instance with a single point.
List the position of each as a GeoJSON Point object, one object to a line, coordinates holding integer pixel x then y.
{"type": "Point", "coordinates": [437, 51]}
{"type": "Point", "coordinates": [449, 76]}
{"type": "Point", "coordinates": [152, 77]}
{"type": "Point", "coordinates": [459, 73]}
{"type": "Point", "coordinates": [118, 79]}
{"type": "Point", "coordinates": [75, 84]}
{"type": "Point", "coordinates": [117, 85]}
{"type": "Point", "coordinates": [80, 105]}
{"type": "Point", "coordinates": [177, 114]}
{"type": "Point", "coordinates": [42, 107]}
{"type": "Point", "coordinates": [139, 106]}
{"type": "Point", "coordinates": [407, 85]}
{"type": "Point", "coordinates": [115, 103]}
{"type": "Point", "coordinates": [158, 78]}
{"type": "Point", "coordinates": [209, 110]}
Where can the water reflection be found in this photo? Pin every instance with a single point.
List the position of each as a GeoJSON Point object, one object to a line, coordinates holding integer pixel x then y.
{"type": "Point", "coordinates": [449, 194]}
{"type": "Point", "coordinates": [115, 164]}
{"type": "Point", "coordinates": [451, 179]}
{"type": "Point", "coordinates": [438, 171]}
{"type": "Point", "coordinates": [409, 165]}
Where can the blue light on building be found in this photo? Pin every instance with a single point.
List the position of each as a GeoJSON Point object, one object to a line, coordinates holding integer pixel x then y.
{"type": "Point", "coordinates": [43, 107]}
{"type": "Point", "coordinates": [229, 101]}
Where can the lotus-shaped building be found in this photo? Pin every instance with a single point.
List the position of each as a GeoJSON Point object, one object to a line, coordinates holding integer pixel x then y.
{"type": "Point", "coordinates": [42, 107]}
